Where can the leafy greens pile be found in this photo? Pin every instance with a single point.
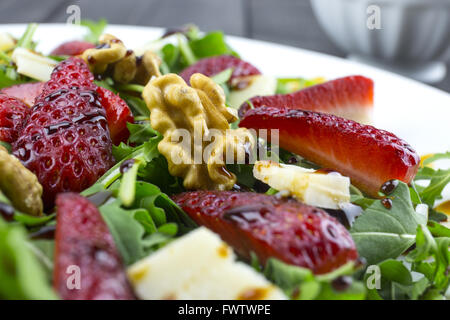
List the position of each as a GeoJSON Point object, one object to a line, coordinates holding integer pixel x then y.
{"type": "Point", "coordinates": [405, 247]}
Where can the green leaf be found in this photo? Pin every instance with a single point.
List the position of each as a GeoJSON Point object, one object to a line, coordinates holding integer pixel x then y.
{"type": "Point", "coordinates": [141, 132]}
{"type": "Point", "coordinates": [126, 231]}
{"type": "Point", "coordinates": [21, 274]}
{"type": "Point", "coordinates": [31, 221]}
{"type": "Point", "coordinates": [437, 229]}
{"type": "Point", "coordinates": [222, 77]}
{"type": "Point", "coordinates": [435, 157]}
{"type": "Point", "coordinates": [437, 184]}
{"type": "Point", "coordinates": [302, 284]}
{"type": "Point", "coordinates": [212, 44]}
{"type": "Point", "coordinates": [95, 29]}
{"type": "Point", "coordinates": [381, 233]}
{"type": "Point", "coordinates": [136, 104]}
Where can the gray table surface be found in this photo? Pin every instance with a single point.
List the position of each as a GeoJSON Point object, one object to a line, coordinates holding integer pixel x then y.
{"type": "Point", "coordinates": [284, 21]}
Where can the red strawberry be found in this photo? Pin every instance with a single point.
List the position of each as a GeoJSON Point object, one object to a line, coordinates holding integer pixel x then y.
{"type": "Point", "coordinates": [26, 92]}
{"type": "Point", "coordinates": [349, 97]}
{"type": "Point", "coordinates": [83, 240]}
{"type": "Point", "coordinates": [66, 140]}
{"type": "Point", "coordinates": [73, 74]}
{"type": "Point", "coordinates": [270, 227]}
{"type": "Point", "coordinates": [13, 114]}
{"type": "Point", "coordinates": [72, 48]}
{"type": "Point", "coordinates": [214, 65]}
{"type": "Point", "coordinates": [118, 114]}
{"type": "Point", "coordinates": [367, 155]}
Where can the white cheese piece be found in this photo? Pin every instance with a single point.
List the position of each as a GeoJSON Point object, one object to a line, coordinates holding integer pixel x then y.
{"type": "Point", "coordinates": [32, 64]}
{"type": "Point", "coordinates": [199, 265]}
{"type": "Point", "coordinates": [6, 42]}
{"type": "Point", "coordinates": [260, 85]}
{"type": "Point", "coordinates": [307, 185]}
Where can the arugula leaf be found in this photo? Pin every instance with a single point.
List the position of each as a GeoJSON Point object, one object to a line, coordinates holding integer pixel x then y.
{"type": "Point", "coordinates": [95, 29]}
{"type": "Point", "coordinates": [381, 233]}
{"type": "Point", "coordinates": [10, 77]}
{"type": "Point", "coordinates": [141, 132]}
{"type": "Point", "coordinates": [437, 184]}
{"type": "Point", "coordinates": [212, 44]}
{"type": "Point", "coordinates": [435, 157]}
{"type": "Point", "coordinates": [126, 231]}
{"type": "Point", "coordinates": [300, 283]}
{"type": "Point", "coordinates": [136, 104]}
{"type": "Point", "coordinates": [435, 270]}
{"type": "Point", "coordinates": [439, 179]}
{"type": "Point", "coordinates": [21, 275]}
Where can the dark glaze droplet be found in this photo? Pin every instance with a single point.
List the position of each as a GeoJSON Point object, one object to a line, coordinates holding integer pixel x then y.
{"type": "Point", "coordinates": [324, 171]}
{"type": "Point", "coordinates": [387, 203]}
{"type": "Point", "coordinates": [91, 59]}
{"type": "Point", "coordinates": [126, 165]}
{"type": "Point", "coordinates": [389, 186]}
{"type": "Point", "coordinates": [99, 198]}
{"type": "Point", "coordinates": [56, 94]}
{"type": "Point", "coordinates": [247, 213]}
{"type": "Point", "coordinates": [6, 211]}
{"type": "Point", "coordinates": [47, 232]}
{"type": "Point", "coordinates": [292, 160]}
{"type": "Point", "coordinates": [342, 283]}
{"type": "Point", "coordinates": [55, 127]}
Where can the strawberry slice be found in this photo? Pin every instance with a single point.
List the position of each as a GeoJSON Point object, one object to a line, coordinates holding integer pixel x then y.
{"type": "Point", "coordinates": [367, 155]}
{"type": "Point", "coordinates": [117, 113]}
{"type": "Point", "coordinates": [83, 240]}
{"type": "Point", "coordinates": [13, 115]}
{"type": "Point", "coordinates": [349, 97]}
{"type": "Point", "coordinates": [26, 92]}
{"type": "Point", "coordinates": [214, 65]}
{"type": "Point", "coordinates": [72, 48]}
{"type": "Point", "coordinates": [285, 229]}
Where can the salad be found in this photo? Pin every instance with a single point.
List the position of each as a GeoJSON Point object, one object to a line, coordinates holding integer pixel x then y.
{"type": "Point", "coordinates": [178, 170]}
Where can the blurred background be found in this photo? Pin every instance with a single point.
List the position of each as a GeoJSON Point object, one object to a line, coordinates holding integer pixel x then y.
{"type": "Point", "coordinates": [290, 22]}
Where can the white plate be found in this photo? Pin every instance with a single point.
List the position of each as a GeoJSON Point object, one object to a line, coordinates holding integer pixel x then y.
{"type": "Point", "coordinates": [415, 112]}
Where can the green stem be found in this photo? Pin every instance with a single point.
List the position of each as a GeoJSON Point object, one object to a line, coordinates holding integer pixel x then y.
{"type": "Point", "coordinates": [127, 189]}
{"type": "Point", "coordinates": [186, 51]}
{"type": "Point", "coordinates": [130, 87]}
{"type": "Point", "coordinates": [26, 39]}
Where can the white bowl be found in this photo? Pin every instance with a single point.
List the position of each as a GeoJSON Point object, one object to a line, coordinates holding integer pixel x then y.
{"type": "Point", "coordinates": [413, 32]}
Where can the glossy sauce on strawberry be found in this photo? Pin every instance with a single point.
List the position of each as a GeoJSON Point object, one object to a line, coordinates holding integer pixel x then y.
{"type": "Point", "coordinates": [83, 240]}
{"type": "Point", "coordinates": [13, 115]}
{"type": "Point", "coordinates": [272, 227]}
{"type": "Point", "coordinates": [214, 65]}
{"type": "Point", "coordinates": [369, 156]}
{"type": "Point", "coordinates": [66, 140]}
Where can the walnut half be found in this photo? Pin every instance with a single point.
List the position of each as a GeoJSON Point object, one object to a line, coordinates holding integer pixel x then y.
{"type": "Point", "coordinates": [199, 117]}
{"type": "Point", "coordinates": [112, 57]}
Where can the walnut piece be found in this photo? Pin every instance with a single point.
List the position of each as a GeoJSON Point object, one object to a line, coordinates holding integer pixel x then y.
{"type": "Point", "coordinates": [20, 185]}
{"type": "Point", "coordinates": [199, 116]}
{"type": "Point", "coordinates": [112, 57]}
{"type": "Point", "coordinates": [110, 50]}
